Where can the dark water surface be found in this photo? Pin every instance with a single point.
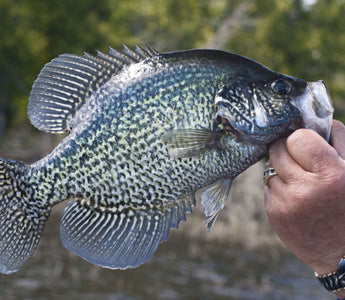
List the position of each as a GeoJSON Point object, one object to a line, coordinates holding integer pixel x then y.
{"type": "Point", "coordinates": [181, 269]}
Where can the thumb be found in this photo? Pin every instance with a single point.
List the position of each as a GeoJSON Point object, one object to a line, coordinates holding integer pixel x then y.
{"type": "Point", "coordinates": [311, 151]}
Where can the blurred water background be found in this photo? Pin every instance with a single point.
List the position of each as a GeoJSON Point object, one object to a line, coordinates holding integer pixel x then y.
{"type": "Point", "coordinates": [240, 258]}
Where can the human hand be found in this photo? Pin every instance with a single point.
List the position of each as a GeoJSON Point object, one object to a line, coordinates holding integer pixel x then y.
{"type": "Point", "coordinates": [305, 203]}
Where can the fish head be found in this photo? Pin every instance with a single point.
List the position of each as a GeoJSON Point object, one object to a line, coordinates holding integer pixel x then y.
{"type": "Point", "coordinates": [261, 111]}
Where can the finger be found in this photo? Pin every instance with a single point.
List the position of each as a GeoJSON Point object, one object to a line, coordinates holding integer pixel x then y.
{"type": "Point", "coordinates": [311, 151]}
{"type": "Point", "coordinates": [275, 184]}
{"type": "Point", "coordinates": [267, 197]}
{"type": "Point", "coordinates": [272, 200]}
{"type": "Point", "coordinates": [268, 177]}
{"type": "Point", "coordinates": [285, 166]}
{"type": "Point", "coordinates": [338, 138]}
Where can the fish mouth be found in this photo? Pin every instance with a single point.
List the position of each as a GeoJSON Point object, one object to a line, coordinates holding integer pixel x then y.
{"type": "Point", "coordinates": [316, 108]}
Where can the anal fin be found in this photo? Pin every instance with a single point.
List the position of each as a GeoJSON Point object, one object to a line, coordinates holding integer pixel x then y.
{"type": "Point", "coordinates": [120, 238]}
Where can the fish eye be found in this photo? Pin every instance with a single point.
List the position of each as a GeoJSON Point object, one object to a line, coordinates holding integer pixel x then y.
{"type": "Point", "coordinates": [281, 86]}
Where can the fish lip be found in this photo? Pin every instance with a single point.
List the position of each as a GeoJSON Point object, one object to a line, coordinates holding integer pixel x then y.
{"type": "Point", "coordinates": [316, 108]}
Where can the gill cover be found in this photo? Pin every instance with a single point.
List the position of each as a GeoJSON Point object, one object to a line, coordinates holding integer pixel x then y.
{"type": "Point", "coordinates": [259, 112]}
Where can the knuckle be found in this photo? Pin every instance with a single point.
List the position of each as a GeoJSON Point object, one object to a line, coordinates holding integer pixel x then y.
{"type": "Point", "coordinates": [297, 138]}
{"type": "Point", "coordinates": [334, 177]}
{"type": "Point", "coordinates": [338, 126]}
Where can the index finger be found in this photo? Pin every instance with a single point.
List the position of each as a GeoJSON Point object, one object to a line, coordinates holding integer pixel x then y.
{"type": "Point", "coordinates": [283, 163]}
{"type": "Point", "coordinates": [338, 138]}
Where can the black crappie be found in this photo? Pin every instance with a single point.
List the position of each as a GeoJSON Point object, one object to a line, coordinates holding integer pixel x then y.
{"type": "Point", "coordinates": [146, 130]}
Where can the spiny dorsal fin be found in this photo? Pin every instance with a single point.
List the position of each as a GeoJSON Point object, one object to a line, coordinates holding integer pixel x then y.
{"type": "Point", "coordinates": [66, 83]}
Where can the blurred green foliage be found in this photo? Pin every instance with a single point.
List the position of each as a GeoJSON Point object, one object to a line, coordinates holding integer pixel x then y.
{"type": "Point", "coordinates": [306, 41]}
{"type": "Point", "coordinates": [299, 40]}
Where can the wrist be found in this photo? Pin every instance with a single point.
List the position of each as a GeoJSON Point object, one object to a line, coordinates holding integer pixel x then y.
{"type": "Point", "coordinates": [326, 263]}
{"type": "Point", "coordinates": [340, 295]}
{"type": "Point", "coordinates": [334, 281]}
{"type": "Point", "coordinates": [325, 269]}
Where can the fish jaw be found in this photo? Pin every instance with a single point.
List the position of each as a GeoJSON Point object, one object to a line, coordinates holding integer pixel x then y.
{"type": "Point", "coordinates": [316, 108]}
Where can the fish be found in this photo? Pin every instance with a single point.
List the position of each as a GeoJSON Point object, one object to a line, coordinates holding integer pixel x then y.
{"type": "Point", "coordinates": [144, 130]}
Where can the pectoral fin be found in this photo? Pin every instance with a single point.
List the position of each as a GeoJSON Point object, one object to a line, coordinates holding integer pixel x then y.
{"type": "Point", "coordinates": [213, 200]}
{"type": "Point", "coordinates": [191, 142]}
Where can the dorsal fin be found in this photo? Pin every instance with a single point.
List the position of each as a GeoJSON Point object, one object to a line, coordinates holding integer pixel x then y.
{"type": "Point", "coordinates": [66, 83]}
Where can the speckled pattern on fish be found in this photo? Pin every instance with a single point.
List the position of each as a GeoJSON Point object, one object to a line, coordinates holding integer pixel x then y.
{"type": "Point", "coordinates": [146, 130]}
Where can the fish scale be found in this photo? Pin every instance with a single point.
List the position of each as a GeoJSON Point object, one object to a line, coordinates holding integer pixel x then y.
{"type": "Point", "coordinates": [146, 130]}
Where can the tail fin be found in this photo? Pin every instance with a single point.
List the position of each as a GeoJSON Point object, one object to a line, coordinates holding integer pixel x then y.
{"type": "Point", "coordinates": [21, 217]}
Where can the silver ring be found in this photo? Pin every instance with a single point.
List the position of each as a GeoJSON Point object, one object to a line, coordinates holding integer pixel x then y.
{"type": "Point", "coordinates": [268, 174]}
